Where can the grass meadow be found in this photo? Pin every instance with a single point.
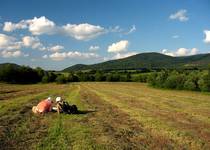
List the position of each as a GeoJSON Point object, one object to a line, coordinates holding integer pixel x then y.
{"type": "Point", "coordinates": [112, 116]}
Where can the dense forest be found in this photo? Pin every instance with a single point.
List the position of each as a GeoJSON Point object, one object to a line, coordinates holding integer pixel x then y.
{"type": "Point", "coordinates": [181, 80]}
{"type": "Point", "coordinates": [12, 73]}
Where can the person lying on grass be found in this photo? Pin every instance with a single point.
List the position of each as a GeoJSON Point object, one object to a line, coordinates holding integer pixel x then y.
{"type": "Point", "coordinates": [43, 107]}
{"type": "Point", "coordinates": [61, 107]}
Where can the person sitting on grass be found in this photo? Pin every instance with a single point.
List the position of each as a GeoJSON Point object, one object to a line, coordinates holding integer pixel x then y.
{"type": "Point", "coordinates": [43, 107]}
{"type": "Point", "coordinates": [64, 107]}
{"type": "Point", "coordinates": [59, 103]}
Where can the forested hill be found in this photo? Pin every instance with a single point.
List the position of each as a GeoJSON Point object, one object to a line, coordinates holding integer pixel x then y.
{"type": "Point", "coordinates": [147, 60]}
{"type": "Point", "coordinates": [4, 65]}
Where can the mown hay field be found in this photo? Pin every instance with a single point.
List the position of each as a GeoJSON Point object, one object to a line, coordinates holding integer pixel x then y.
{"type": "Point", "coordinates": [112, 116]}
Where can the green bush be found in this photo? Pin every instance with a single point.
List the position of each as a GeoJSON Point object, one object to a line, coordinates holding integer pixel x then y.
{"type": "Point", "coordinates": [161, 78]}
{"type": "Point", "coordinates": [61, 79]}
{"type": "Point", "coordinates": [171, 82]}
{"type": "Point", "coordinates": [152, 79]}
{"type": "Point", "coordinates": [204, 83]}
{"type": "Point", "coordinates": [189, 85]}
{"type": "Point", "coordinates": [72, 78]}
{"type": "Point", "coordinates": [99, 76]}
{"type": "Point", "coordinates": [45, 79]}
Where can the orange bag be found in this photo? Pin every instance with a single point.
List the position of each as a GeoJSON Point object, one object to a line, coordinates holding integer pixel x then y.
{"type": "Point", "coordinates": [44, 106]}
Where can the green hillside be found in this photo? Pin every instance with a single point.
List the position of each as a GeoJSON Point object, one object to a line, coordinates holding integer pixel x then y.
{"type": "Point", "coordinates": [147, 60]}
{"type": "Point", "coordinates": [4, 65]}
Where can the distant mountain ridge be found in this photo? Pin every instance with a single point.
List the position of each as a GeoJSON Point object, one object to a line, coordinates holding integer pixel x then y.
{"type": "Point", "coordinates": [3, 65]}
{"type": "Point", "coordinates": [147, 60]}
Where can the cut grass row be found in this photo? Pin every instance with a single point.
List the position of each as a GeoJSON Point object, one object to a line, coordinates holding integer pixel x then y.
{"type": "Point", "coordinates": [68, 131]}
{"type": "Point", "coordinates": [179, 129]}
{"type": "Point", "coordinates": [20, 129]}
{"type": "Point", "coordinates": [113, 116]}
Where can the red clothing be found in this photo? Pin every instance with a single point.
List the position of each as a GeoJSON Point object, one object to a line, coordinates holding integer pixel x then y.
{"type": "Point", "coordinates": [44, 106]}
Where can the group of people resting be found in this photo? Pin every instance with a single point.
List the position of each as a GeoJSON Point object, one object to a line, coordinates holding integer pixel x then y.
{"type": "Point", "coordinates": [60, 106]}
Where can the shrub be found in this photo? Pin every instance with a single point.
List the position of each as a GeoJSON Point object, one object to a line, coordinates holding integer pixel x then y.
{"type": "Point", "coordinates": [113, 77]}
{"type": "Point", "coordinates": [152, 79]}
{"type": "Point", "coordinates": [128, 77]}
{"type": "Point", "coordinates": [161, 78]}
{"type": "Point", "coordinates": [171, 82]}
{"type": "Point", "coordinates": [45, 79]}
{"type": "Point", "coordinates": [123, 78]}
{"type": "Point", "coordinates": [204, 83]}
{"type": "Point", "coordinates": [99, 76]}
{"type": "Point", "coordinates": [72, 78]}
{"type": "Point", "coordinates": [189, 85]}
{"type": "Point", "coordinates": [61, 79]}
{"type": "Point", "coordinates": [180, 80]}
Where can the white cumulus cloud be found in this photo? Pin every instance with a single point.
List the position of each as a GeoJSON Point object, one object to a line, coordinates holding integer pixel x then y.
{"type": "Point", "coordinates": [56, 48]}
{"type": "Point", "coordinates": [42, 25]}
{"type": "Point", "coordinates": [6, 40]}
{"type": "Point", "coordinates": [58, 56]}
{"type": "Point", "coordinates": [94, 48]}
{"type": "Point", "coordinates": [207, 36]}
{"type": "Point", "coordinates": [33, 42]}
{"type": "Point", "coordinates": [10, 54]}
{"type": "Point", "coordinates": [118, 46]}
{"type": "Point", "coordinates": [9, 26]}
{"type": "Point", "coordinates": [123, 55]}
{"type": "Point", "coordinates": [9, 42]}
{"type": "Point", "coordinates": [180, 52]}
{"type": "Point", "coordinates": [83, 31]}
{"type": "Point", "coordinates": [180, 15]}
{"type": "Point", "coordinates": [45, 56]}
{"type": "Point", "coordinates": [36, 26]}
{"type": "Point", "coordinates": [72, 54]}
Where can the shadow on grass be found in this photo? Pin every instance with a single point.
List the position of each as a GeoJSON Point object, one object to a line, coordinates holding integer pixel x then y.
{"type": "Point", "coordinates": [79, 112]}
{"type": "Point", "coordinates": [85, 111]}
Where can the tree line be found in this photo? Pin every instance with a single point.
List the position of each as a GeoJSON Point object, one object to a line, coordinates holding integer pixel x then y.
{"type": "Point", "coordinates": [181, 80]}
{"type": "Point", "coordinates": [197, 80]}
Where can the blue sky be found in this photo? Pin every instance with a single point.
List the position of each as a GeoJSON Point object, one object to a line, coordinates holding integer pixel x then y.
{"type": "Point", "coordinates": [57, 34]}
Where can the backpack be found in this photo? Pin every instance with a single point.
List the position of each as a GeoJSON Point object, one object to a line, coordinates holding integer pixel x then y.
{"type": "Point", "coordinates": [68, 109]}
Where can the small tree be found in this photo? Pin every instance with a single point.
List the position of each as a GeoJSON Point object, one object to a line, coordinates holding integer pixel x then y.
{"type": "Point", "coordinates": [45, 79]}
{"type": "Point", "coordinates": [152, 79]}
{"type": "Point", "coordinates": [109, 77]}
{"type": "Point", "coordinates": [171, 82]}
{"type": "Point", "coordinates": [189, 85]}
{"type": "Point", "coordinates": [161, 78]}
{"type": "Point", "coordinates": [98, 76]}
{"type": "Point", "coordinates": [128, 77]}
{"type": "Point", "coordinates": [52, 76]}
{"type": "Point", "coordinates": [40, 73]}
{"type": "Point", "coordinates": [61, 79]}
{"type": "Point", "coordinates": [70, 77]}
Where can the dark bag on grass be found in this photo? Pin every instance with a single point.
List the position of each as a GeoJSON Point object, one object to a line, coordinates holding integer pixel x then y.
{"type": "Point", "coordinates": [68, 109]}
{"type": "Point", "coordinates": [74, 109]}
